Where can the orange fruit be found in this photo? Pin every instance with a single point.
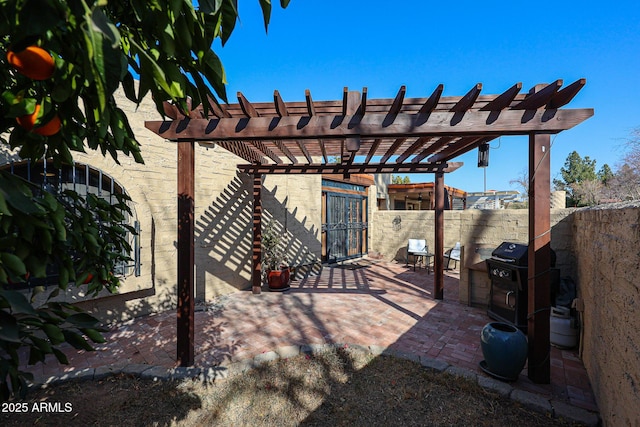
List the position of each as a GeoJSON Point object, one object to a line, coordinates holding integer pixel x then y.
{"type": "Point", "coordinates": [28, 122]}
{"type": "Point", "coordinates": [33, 62]}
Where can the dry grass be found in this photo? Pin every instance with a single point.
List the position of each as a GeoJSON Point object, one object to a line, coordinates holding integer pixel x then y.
{"type": "Point", "coordinates": [335, 388]}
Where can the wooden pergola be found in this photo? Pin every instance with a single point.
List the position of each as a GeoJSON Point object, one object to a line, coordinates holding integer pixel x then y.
{"type": "Point", "coordinates": [360, 135]}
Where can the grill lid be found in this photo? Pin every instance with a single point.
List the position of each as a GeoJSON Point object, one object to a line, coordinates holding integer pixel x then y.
{"type": "Point", "coordinates": [515, 253]}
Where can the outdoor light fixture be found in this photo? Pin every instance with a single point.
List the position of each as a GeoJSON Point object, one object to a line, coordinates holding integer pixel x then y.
{"type": "Point", "coordinates": [483, 155]}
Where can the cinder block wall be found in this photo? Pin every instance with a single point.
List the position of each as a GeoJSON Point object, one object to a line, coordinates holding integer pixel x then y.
{"type": "Point", "coordinates": [607, 248]}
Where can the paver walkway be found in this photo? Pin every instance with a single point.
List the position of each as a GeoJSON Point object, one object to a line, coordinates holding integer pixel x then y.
{"type": "Point", "coordinates": [366, 303]}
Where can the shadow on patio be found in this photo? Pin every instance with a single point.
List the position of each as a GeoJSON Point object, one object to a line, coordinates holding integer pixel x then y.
{"type": "Point", "coordinates": [368, 303]}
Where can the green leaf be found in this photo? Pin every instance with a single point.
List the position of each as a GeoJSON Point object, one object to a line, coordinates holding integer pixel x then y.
{"type": "Point", "coordinates": [18, 302]}
{"type": "Point", "coordinates": [83, 320]}
{"type": "Point", "coordinates": [54, 333]}
{"type": "Point", "coordinates": [284, 3]}
{"type": "Point", "coordinates": [94, 335]}
{"type": "Point", "coordinates": [266, 12]}
{"type": "Point", "coordinates": [9, 330]}
{"type": "Point", "coordinates": [14, 263]}
{"type": "Point", "coordinates": [4, 209]}
{"type": "Point", "coordinates": [77, 341]}
{"type": "Point", "coordinates": [210, 6]}
{"type": "Point", "coordinates": [229, 12]}
{"type": "Point", "coordinates": [35, 355]}
{"type": "Point", "coordinates": [43, 345]}
{"type": "Point", "coordinates": [62, 358]}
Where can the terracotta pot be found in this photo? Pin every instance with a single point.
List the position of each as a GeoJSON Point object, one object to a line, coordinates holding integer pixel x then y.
{"type": "Point", "coordinates": [278, 280]}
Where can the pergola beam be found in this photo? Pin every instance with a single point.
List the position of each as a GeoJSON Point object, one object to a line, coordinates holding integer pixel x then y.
{"type": "Point", "coordinates": [337, 168]}
{"type": "Point", "coordinates": [508, 122]}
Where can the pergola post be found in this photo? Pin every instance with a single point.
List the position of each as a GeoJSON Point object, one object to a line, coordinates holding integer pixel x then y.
{"type": "Point", "coordinates": [256, 274]}
{"type": "Point", "coordinates": [539, 279]}
{"type": "Point", "coordinates": [186, 203]}
{"type": "Point", "coordinates": [438, 262]}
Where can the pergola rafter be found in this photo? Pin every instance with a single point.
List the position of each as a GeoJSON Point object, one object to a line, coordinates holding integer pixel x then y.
{"type": "Point", "coordinates": [356, 134]}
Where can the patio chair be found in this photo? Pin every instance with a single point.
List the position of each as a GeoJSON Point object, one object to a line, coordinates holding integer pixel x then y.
{"type": "Point", "coordinates": [417, 248]}
{"type": "Point", "coordinates": [453, 254]}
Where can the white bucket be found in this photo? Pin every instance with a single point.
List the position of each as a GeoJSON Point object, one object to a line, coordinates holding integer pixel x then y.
{"type": "Point", "coordinates": [563, 328]}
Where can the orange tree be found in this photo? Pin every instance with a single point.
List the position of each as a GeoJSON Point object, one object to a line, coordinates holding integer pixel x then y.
{"type": "Point", "coordinates": [60, 64]}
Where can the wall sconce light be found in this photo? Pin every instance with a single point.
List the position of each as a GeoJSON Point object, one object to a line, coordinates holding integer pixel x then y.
{"type": "Point", "coordinates": [483, 155]}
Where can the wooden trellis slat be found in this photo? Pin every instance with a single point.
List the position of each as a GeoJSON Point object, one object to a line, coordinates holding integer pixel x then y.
{"type": "Point", "coordinates": [431, 102]}
{"type": "Point", "coordinates": [285, 150]}
{"type": "Point", "coordinates": [460, 147]}
{"type": "Point", "coordinates": [362, 110]}
{"type": "Point", "coordinates": [217, 109]}
{"type": "Point", "coordinates": [266, 151]}
{"type": "Point", "coordinates": [281, 107]}
{"type": "Point", "coordinates": [171, 110]}
{"type": "Point", "coordinates": [310, 107]}
{"type": "Point", "coordinates": [304, 150]}
{"type": "Point", "coordinates": [396, 106]}
{"type": "Point", "coordinates": [412, 149]}
{"type": "Point", "coordinates": [391, 151]}
{"type": "Point", "coordinates": [248, 109]}
{"type": "Point", "coordinates": [566, 94]}
{"type": "Point", "coordinates": [539, 98]}
{"type": "Point", "coordinates": [241, 150]}
{"type": "Point", "coordinates": [372, 151]}
{"type": "Point", "coordinates": [466, 102]}
{"type": "Point", "coordinates": [433, 148]}
{"type": "Point", "coordinates": [503, 100]}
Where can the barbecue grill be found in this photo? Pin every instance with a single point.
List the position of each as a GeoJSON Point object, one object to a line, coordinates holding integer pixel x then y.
{"type": "Point", "coordinates": [508, 271]}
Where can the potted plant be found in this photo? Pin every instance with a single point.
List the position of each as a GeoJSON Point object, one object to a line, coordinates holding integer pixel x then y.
{"type": "Point", "coordinates": [277, 271]}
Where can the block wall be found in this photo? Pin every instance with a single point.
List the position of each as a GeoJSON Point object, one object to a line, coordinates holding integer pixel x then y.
{"type": "Point", "coordinates": [607, 248]}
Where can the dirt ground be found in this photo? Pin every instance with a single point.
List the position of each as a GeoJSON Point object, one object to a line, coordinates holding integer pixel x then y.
{"type": "Point", "coordinates": [334, 388]}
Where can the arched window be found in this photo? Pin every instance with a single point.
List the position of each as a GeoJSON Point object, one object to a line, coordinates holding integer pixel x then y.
{"type": "Point", "coordinates": [83, 179]}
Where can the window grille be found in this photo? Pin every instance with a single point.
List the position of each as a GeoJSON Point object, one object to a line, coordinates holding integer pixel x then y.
{"type": "Point", "coordinates": [84, 180]}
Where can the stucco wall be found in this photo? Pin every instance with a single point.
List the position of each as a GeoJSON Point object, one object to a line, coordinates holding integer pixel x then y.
{"type": "Point", "coordinates": [607, 247]}
{"type": "Point", "coordinates": [473, 229]}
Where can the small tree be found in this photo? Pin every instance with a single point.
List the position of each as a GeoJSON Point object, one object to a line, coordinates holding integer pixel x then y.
{"type": "Point", "coordinates": [87, 50]}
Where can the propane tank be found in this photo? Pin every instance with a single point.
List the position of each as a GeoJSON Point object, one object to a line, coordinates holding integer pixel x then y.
{"type": "Point", "coordinates": [563, 328]}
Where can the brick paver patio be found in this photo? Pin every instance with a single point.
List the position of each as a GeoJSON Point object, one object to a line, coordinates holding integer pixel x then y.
{"type": "Point", "coordinates": [365, 303]}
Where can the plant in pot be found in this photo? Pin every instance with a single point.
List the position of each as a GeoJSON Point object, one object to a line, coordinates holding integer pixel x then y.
{"type": "Point", "coordinates": [277, 271]}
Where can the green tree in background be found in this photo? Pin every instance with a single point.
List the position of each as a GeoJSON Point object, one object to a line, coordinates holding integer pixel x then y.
{"type": "Point", "coordinates": [96, 47]}
{"type": "Point", "coordinates": [585, 186]}
{"type": "Point", "coordinates": [605, 174]}
{"type": "Point", "coordinates": [400, 180]}
{"type": "Point", "coordinates": [575, 171]}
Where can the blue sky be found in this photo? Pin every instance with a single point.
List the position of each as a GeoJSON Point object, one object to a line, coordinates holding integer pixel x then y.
{"type": "Point", "coordinates": [327, 45]}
